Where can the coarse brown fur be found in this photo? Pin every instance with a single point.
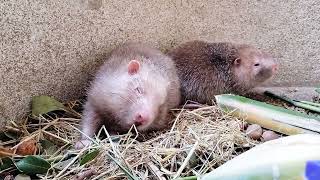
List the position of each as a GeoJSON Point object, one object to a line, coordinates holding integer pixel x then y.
{"type": "Point", "coordinates": [114, 95]}
{"type": "Point", "coordinates": [207, 69]}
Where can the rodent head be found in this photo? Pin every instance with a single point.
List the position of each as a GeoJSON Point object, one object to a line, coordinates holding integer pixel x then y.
{"type": "Point", "coordinates": [253, 67]}
{"type": "Point", "coordinates": [140, 96]}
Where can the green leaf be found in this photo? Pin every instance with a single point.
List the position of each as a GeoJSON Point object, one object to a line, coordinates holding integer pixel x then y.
{"type": "Point", "coordinates": [5, 163]}
{"type": "Point", "coordinates": [33, 165]}
{"type": "Point", "coordinates": [89, 157]}
{"type": "Point", "coordinates": [44, 104]}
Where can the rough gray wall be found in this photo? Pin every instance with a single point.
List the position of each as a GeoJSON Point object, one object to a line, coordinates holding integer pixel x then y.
{"type": "Point", "coordinates": [51, 47]}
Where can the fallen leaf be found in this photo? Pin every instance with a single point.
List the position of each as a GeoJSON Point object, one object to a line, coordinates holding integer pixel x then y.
{"type": "Point", "coordinates": [44, 104]}
{"type": "Point", "coordinates": [27, 147]}
{"type": "Point", "coordinates": [33, 165]}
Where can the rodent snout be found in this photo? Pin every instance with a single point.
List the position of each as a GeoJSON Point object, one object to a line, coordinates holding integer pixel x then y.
{"type": "Point", "coordinates": [274, 67]}
{"type": "Point", "coordinates": [141, 119]}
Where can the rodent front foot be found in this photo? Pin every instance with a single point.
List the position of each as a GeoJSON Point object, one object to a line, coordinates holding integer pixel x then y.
{"type": "Point", "coordinates": [82, 143]}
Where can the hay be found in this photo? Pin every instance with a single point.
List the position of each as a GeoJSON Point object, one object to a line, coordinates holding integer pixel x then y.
{"type": "Point", "coordinates": [198, 141]}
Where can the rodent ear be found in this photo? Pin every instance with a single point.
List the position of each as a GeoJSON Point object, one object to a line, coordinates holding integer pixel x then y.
{"type": "Point", "coordinates": [133, 67]}
{"type": "Point", "coordinates": [237, 62]}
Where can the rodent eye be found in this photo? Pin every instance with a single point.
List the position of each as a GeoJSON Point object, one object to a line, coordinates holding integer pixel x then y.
{"type": "Point", "coordinates": [257, 64]}
{"type": "Point", "coordinates": [139, 90]}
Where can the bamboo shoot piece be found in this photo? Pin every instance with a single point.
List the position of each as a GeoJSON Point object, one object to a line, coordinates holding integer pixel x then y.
{"type": "Point", "coordinates": [292, 157]}
{"type": "Point", "coordinates": [268, 116]}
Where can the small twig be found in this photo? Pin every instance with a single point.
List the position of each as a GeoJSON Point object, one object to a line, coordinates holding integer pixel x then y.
{"type": "Point", "coordinates": [36, 133]}
{"type": "Point", "coordinates": [175, 121]}
{"type": "Point", "coordinates": [156, 171]}
{"type": "Point", "coordinates": [73, 112]}
{"type": "Point", "coordinates": [8, 142]}
{"type": "Point", "coordinates": [185, 162]}
{"type": "Point", "coordinates": [60, 149]}
{"type": "Point", "coordinates": [116, 151]}
{"type": "Point", "coordinates": [8, 169]}
{"type": "Point", "coordinates": [13, 129]}
{"type": "Point", "coordinates": [56, 137]}
{"type": "Point", "coordinates": [73, 161]}
{"type": "Point", "coordinates": [166, 171]}
{"type": "Point", "coordinates": [92, 140]}
{"type": "Point", "coordinates": [130, 176]}
{"type": "Point", "coordinates": [133, 140]}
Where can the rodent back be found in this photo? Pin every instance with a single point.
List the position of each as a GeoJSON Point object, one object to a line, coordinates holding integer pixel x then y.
{"type": "Point", "coordinates": [206, 69]}
{"type": "Point", "coordinates": [203, 68]}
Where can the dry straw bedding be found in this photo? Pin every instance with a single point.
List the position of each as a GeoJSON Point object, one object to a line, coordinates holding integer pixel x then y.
{"type": "Point", "coordinates": [196, 142]}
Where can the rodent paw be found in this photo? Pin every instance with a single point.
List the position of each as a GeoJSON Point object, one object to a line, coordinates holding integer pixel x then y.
{"type": "Point", "coordinates": [82, 143]}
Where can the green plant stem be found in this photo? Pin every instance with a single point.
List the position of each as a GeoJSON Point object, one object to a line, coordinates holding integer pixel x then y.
{"type": "Point", "coordinates": [307, 106]}
{"type": "Point", "coordinates": [302, 104]}
{"type": "Point", "coordinates": [283, 98]}
{"type": "Point", "coordinates": [311, 103]}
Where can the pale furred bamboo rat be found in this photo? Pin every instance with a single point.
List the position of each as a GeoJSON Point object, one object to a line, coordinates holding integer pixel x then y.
{"type": "Point", "coordinates": [137, 85]}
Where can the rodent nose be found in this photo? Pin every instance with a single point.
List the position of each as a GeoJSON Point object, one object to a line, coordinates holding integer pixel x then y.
{"type": "Point", "coordinates": [141, 119]}
{"type": "Point", "coordinates": [274, 67]}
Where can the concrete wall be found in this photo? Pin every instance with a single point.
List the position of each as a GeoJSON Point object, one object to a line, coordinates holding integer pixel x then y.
{"type": "Point", "coordinates": [51, 47]}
